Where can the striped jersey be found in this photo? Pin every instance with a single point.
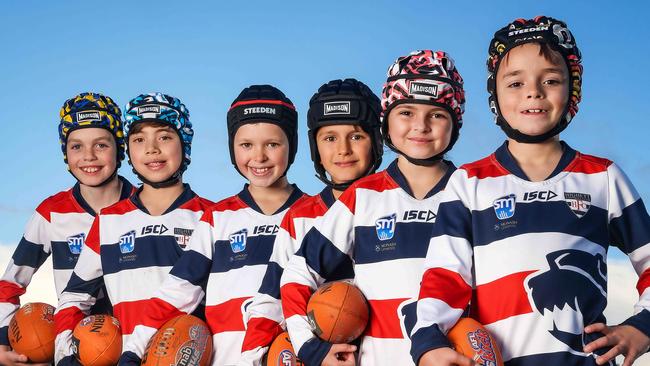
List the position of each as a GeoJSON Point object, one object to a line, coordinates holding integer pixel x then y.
{"type": "Point", "coordinates": [377, 232]}
{"type": "Point", "coordinates": [229, 253]}
{"type": "Point", "coordinates": [130, 253]}
{"type": "Point", "coordinates": [59, 228]}
{"type": "Point", "coordinates": [265, 311]}
{"type": "Point", "coordinates": [530, 257]}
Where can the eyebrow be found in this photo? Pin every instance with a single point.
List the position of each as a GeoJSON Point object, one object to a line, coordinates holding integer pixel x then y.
{"type": "Point", "coordinates": [93, 140]}
{"type": "Point", "coordinates": [555, 70]}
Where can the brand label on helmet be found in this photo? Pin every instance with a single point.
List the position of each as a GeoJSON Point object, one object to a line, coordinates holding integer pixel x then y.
{"type": "Point", "coordinates": [419, 88]}
{"type": "Point", "coordinates": [88, 116]}
{"type": "Point", "coordinates": [331, 108]}
{"type": "Point", "coordinates": [265, 110]}
{"type": "Point", "coordinates": [148, 109]}
{"type": "Point", "coordinates": [539, 28]}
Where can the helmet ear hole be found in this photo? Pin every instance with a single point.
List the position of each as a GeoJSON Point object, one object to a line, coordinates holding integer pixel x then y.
{"type": "Point", "coordinates": [342, 102]}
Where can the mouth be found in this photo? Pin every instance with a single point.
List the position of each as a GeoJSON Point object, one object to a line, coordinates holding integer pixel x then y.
{"type": "Point", "coordinates": [90, 169]}
{"type": "Point", "coordinates": [155, 165]}
{"type": "Point", "coordinates": [346, 164]}
{"type": "Point", "coordinates": [532, 111]}
{"type": "Point", "coordinates": [419, 140]}
{"type": "Point", "coordinates": [260, 172]}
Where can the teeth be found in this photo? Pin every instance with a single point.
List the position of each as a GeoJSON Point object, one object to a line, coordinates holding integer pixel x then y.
{"type": "Point", "coordinates": [260, 170]}
{"type": "Point", "coordinates": [535, 110]}
{"type": "Point", "coordinates": [90, 169]}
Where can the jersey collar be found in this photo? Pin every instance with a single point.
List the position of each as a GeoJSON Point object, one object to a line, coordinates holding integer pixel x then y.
{"type": "Point", "coordinates": [126, 191]}
{"type": "Point", "coordinates": [246, 196]}
{"type": "Point", "coordinates": [394, 172]}
{"type": "Point", "coordinates": [503, 156]}
{"type": "Point", "coordinates": [185, 196]}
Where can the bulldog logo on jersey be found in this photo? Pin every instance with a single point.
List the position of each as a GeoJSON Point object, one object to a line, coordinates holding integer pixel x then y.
{"type": "Point", "coordinates": [579, 301]}
{"type": "Point", "coordinates": [127, 242]}
{"type": "Point", "coordinates": [238, 240]}
{"type": "Point", "coordinates": [385, 227]}
{"type": "Point", "coordinates": [579, 203]}
{"type": "Point", "coordinates": [504, 207]}
{"type": "Point", "coordinates": [76, 242]}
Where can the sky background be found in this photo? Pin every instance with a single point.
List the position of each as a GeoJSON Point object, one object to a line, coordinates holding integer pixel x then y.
{"type": "Point", "coordinates": [205, 52]}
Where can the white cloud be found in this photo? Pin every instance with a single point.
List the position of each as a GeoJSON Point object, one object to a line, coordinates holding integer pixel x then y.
{"type": "Point", "coordinates": [622, 293]}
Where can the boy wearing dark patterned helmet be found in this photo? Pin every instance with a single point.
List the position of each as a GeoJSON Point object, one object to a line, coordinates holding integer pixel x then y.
{"type": "Point", "coordinates": [92, 142]}
{"type": "Point", "coordinates": [534, 215]}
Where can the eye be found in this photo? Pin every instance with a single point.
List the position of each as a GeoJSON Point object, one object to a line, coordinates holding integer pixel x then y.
{"type": "Point", "coordinates": [102, 145]}
{"type": "Point", "coordinates": [136, 140]}
{"type": "Point", "coordinates": [74, 146]}
{"type": "Point", "coordinates": [515, 84]}
{"type": "Point", "coordinates": [273, 145]}
{"type": "Point", "coordinates": [357, 136]}
{"type": "Point", "coordinates": [329, 138]}
{"type": "Point", "coordinates": [553, 82]}
{"type": "Point", "coordinates": [405, 112]}
{"type": "Point", "coordinates": [246, 145]}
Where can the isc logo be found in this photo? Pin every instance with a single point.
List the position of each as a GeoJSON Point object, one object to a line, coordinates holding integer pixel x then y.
{"type": "Point", "coordinates": [415, 215]}
{"type": "Point", "coordinates": [539, 196]}
{"type": "Point", "coordinates": [385, 227]}
{"type": "Point", "coordinates": [154, 229]}
{"type": "Point", "coordinates": [504, 207]}
{"type": "Point", "coordinates": [266, 230]}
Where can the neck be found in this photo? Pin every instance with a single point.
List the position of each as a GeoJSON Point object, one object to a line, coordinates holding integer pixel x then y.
{"type": "Point", "coordinates": [103, 196]}
{"type": "Point", "coordinates": [336, 193]}
{"type": "Point", "coordinates": [537, 160]}
{"type": "Point", "coordinates": [271, 198]}
{"type": "Point", "coordinates": [158, 200]}
{"type": "Point", "coordinates": [421, 179]}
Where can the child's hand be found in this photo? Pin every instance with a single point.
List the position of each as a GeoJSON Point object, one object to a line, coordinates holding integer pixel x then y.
{"type": "Point", "coordinates": [444, 357]}
{"type": "Point", "coordinates": [340, 355]}
{"type": "Point", "coordinates": [10, 358]}
{"type": "Point", "coordinates": [624, 339]}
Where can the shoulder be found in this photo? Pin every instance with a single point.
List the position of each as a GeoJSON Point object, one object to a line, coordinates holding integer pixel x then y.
{"type": "Point", "coordinates": [378, 182]}
{"type": "Point", "coordinates": [588, 164]}
{"type": "Point", "coordinates": [197, 204]}
{"type": "Point", "coordinates": [119, 208]}
{"type": "Point", "coordinates": [488, 167]}
{"type": "Point", "coordinates": [62, 202]}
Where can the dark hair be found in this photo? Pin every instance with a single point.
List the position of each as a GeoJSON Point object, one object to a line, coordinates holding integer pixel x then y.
{"type": "Point", "coordinates": [547, 52]}
{"type": "Point", "coordinates": [140, 125]}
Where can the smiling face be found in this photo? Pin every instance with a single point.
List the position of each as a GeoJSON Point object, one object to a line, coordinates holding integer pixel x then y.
{"type": "Point", "coordinates": [420, 130]}
{"type": "Point", "coordinates": [261, 153]}
{"type": "Point", "coordinates": [155, 151]}
{"type": "Point", "coordinates": [532, 90]}
{"type": "Point", "coordinates": [92, 155]}
{"type": "Point", "coordinates": [345, 151]}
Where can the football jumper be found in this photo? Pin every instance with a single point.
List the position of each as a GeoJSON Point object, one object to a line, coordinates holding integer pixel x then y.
{"type": "Point", "coordinates": [265, 311]}
{"type": "Point", "coordinates": [377, 232]}
{"type": "Point", "coordinates": [530, 257]}
{"type": "Point", "coordinates": [230, 251]}
{"type": "Point", "coordinates": [59, 227]}
{"type": "Point", "coordinates": [131, 253]}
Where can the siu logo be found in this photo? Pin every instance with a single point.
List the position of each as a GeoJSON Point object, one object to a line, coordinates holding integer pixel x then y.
{"type": "Point", "coordinates": [238, 240]}
{"type": "Point", "coordinates": [579, 203]}
{"type": "Point", "coordinates": [331, 108]}
{"type": "Point", "coordinates": [127, 242]}
{"type": "Point", "coordinates": [76, 242]}
{"type": "Point", "coordinates": [426, 89]}
{"type": "Point", "coordinates": [148, 109]}
{"type": "Point", "coordinates": [570, 294]}
{"type": "Point", "coordinates": [504, 207]}
{"type": "Point", "coordinates": [88, 116]}
{"type": "Point", "coordinates": [385, 227]}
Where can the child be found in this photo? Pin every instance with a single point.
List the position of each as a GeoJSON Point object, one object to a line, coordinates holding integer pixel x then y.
{"type": "Point", "coordinates": [523, 234]}
{"type": "Point", "coordinates": [232, 244]}
{"type": "Point", "coordinates": [375, 232]}
{"type": "Point", "coordinates": [92, 141]}
{"type": "Point", "coordinates": [345, 142]}
{"type": "Point", "coordinates": [134, 243]}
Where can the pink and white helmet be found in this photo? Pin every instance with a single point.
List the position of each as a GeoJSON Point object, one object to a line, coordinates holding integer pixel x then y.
{"type": "Point", "coordinates": [424, 77]}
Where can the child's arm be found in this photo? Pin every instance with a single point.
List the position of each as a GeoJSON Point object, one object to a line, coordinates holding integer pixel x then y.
{"type": "Point", "coordinates": [445, 290]}
{"type": "Point", "coordinates": [324, 255]}
{"type": "Point", "coordinates": [181, 292]}
{"type": "Point", "coordinates": [265, 311]}
{"type": "Point", "coordinates": [79, 295]}
{"type": "Point", "coordinates": [32, 250]}
{"type": "Point", "coordinates": [629, 227]}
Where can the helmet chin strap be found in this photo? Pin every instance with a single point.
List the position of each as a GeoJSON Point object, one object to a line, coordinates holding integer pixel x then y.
{"type": "Point", "coordinates": [173, 179]}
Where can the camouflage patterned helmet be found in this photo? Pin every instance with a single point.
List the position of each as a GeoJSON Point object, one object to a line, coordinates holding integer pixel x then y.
{"type": "Point", "coordinates": [162, 108]}
{"type": "Point", "coordinates": [91, 110]}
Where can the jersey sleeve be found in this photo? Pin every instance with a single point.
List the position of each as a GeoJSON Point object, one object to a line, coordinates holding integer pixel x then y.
{"type": "Point", "coordinates": [32, 250]}
{"type": "Point", "coordinates": [80, 293]}
{"type": "Point", "coordinates": [325, 254]}
{"type": "Point", "coordinates": [265, 319]}
{"type": "Point", "coordinates": [180, 293]}
{"type": "Point", "coordinates": [445, 290]}
{"type": "Point", "coordinates": [629, 228]}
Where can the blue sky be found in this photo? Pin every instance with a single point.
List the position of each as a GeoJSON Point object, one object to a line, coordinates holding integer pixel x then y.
{"type": "Point", "coordinates": [206, 52]}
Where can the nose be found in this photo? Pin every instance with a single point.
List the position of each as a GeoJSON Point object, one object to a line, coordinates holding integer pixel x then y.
{"type": "Point", "coordinates": [259, 154]}
{"type": "Point", "coordinates": [151, 146]}
{"type": "Point", "coordinates": [420, 123]}
{"type": "Point", "coordinates": [534, 91]}
{"type": "Point", "coordinates": [89, 154]}
{"type": "Point", "coordinates": [343, 147]}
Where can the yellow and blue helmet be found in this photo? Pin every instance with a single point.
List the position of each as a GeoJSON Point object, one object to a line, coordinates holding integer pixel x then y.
{"type": "Point", "coordinates": [91, 110]}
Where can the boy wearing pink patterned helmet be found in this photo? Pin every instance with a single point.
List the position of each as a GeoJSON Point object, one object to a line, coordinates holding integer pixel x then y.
{"type": "Point", "coordinates": [371, 233]}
